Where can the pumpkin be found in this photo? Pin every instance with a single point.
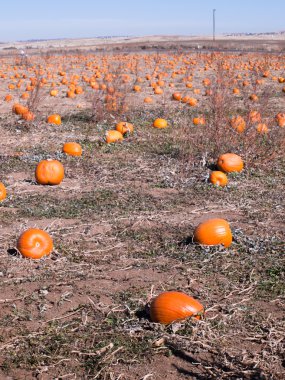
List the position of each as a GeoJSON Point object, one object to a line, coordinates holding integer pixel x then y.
{"type": "Point", "coordinates": [254, 117]}
{"type": "Point", "coordinates": [171, 306]}
{"type": "Point", "coordinates": [253, 97]}
{"type": "Point", "coordinates": [35, 243]}
{"type": "Point", "coordinates": [230, 162]}
{"type": "Point", "coordinates": [176, 96]}
{"type": "Point", "coordinates": [148, 99]}
{"type": "Point", "coordinates": [28, 116]}
{"type": "Point", "coordinates": [19, 109]}
{"type": "Point", "coordinates": [160, 123]}
{"type": "Point", "coordinates": [49, 172]}
{"type": "Point", "coordinates": [72, 149]}
{"type": "Point", "coordinates": [262, 128]}
{"type": "Point", "coordinates": [213, 232]}
{"type": "Point", "coordinates": [3, 192]}
{"type": "Point", "coordinates": [113, 136]}
{"type": "Point", "coordinates": [238, 123]}
{"type": "Point", "coordinates": [218, 178]}
{"type": "Point", "coordinates": [53, 92]}
{"type": "Point", "coordinates": [124, 127]}
{"type": "Point", "coordinates": [54, 119]}
{"type": "Point", "coordinates": [192, 102]}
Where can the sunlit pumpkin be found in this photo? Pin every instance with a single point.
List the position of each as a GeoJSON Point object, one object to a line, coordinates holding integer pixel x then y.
{"type": "Point", "coordinates": [113, 136]}
{"type": "Point", "coordinates": [230, 162]}
{"type": "Point", "coordinates": [3, 192]}
{"type": "Point", "coordinates": [160, 123]}
{"type": "Point", "coordinates": [28, 116]}
{"type": "Point", "coordinates": [213, 232]}
{"type": "Point", "coordinates": [35, 243]}
{"type": "Point", "coordinates": [54, 119]}
{"type": "Point", "coordinates": [49, 172]}
{"type": "Point", "coordinates": [218, 178]}
{"type": "Point", "coordinates": [262, 128]}
{"type": "Point", "coordinates": [124, 127]}
{"type": "Point", "coordinates": [148, 99]}
{"type": "Point", "coordinates": [72, 149]}
{"type": "Point", "coordinates": [172, 306]}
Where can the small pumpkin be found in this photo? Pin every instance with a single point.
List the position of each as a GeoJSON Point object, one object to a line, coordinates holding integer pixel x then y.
{"type": "Point", "coordinates": [230, 162]}
{"type": "Point", "coordinates": [113, 136]}
{"type": "Point", "coordinates": [54, 119]}
{"type": "Point", "coordinates": [213, 232]}
{"type": "Point", "coordinates": [72, 149]}
{"type": "Point", "coordinates": [218, 178]}
{"type": "Point", "coordinates": [171, 306]}
{"type": "Point", "coordinates": [238, 123]}
{"type": "Point", "coordinates": [160, 123]}
{"type": "Point", "coordinates": [3, 192]}
{"type": "Point", "coordinates": [49, 172]}
{"type": "Point", "coordinates": [35, 243]}
{"type": "Point", "coordinates": [124, 127]}
{"type": "Point", "coordinates": [262, 128]}
{"type": "Point", "coordinates": [28, 116]}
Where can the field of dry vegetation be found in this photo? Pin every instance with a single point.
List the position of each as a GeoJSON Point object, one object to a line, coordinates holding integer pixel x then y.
{"type": "Point", "coordinates": [122, 219]}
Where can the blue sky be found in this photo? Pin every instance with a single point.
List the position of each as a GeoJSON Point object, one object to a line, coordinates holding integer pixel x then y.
{"type": "Point", "coordinates": [37, 19]}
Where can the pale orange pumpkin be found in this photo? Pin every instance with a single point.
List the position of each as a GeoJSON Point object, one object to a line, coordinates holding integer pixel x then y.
{"type": "Point", "coordinates": [213, 232]}
{"type": "Point", "coordinates": [35, 243]}
{"type": "Point", "coordinates": [172, 306]}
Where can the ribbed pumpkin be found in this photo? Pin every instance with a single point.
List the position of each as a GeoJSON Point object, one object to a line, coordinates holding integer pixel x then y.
{"type": "Point", "coordinates": [72, 149]}
{"type": "Point", "coordinates": [124, 127]}
{"type": "Point", "coordinates": [160, 123]}
{"type": "Point", "coordinates": [171, 306]}
{"type": "Point", "coordinates": [54, 119]}
{"type": "Point", "coordinates": [218, 178]}
{"type": "Point", "coordinates": [230, 162]}
{"type": "Point", "coordinates": [3, 192]}
{"type": "Point", "coordinates": [35, 243]}
{"type": "Point", "coordinates": [49, 172]}
{"type": "Point", "coordinates": [113, 136]}
{"type": "Point", "coordinates": [213, 232]}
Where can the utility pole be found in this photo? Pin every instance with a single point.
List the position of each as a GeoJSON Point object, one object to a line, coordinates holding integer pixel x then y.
{"type": "Point", "coordinates": [214, 25]}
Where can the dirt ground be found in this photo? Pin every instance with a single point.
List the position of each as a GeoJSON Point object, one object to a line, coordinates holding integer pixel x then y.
{"type": "Point", "coordinates": [122, 222]}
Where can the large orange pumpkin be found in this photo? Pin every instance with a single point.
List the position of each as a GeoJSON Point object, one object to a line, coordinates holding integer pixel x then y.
{"type": "Point", "coordinates": [3, 192]}
{"type": "Point", "coordinates": [72, 149]}
{"type": "Point", "coordinates": [171, 306]}
{"type": "Point", "coordinates": [218, 178]}
{"type": "Point", "coordinates": [230, 162]}
{"type": "Point", "coordinates": [49, 172]}
{"type": "Point", "coordinates": [54, 119]}
{"type": "Point", "coordinates": [213, 232]}
{"type": "Point", "coordinates": [160, 123]}
{"type": "Point", "coordinates": [35, 243]}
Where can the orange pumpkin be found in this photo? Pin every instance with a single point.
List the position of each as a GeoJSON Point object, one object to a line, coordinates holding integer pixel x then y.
{"type": "Point", "coordinates": [28, 116]}
{"type": "Point", "coordinates": [19, 109]}
{"type": "Point", "coordinates": [3, 192]}
{"type": "Point", "coordinates": [160, 123]}
{"type": "Point", "coordinates": [262, 128]}
{"type": "Point", "coordinates": [49, 172]}
{"type": "Point", "coordinates": [35, 243]}
{"type": "Point", "coordinates": [172, 306]}
{"type": "Point", "coordinates": [148, 99]}
{"type": "Point", "coordinates": [72, 149]}
{"type": "Point", "coordinates": [218, 178]}
{"type": "Point", "coordinates": [54, 119]}
{"type": "Point", "coordinates": [230, 162]}
{"type": "Point", "coordinates": [177, 96]}
{"type": "Point", "coordinates": [113, 136]}
{"type": "Point", "coordinates": [213, 232]}
{"type": "Point", "coordinates": [53, 92]}
{"type": "Point", "coordinates": [124, 127]}
{"type": "Point", "coordinates": [254, 116]}
{"type": "Point", "coordinates": [238, 123]}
